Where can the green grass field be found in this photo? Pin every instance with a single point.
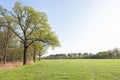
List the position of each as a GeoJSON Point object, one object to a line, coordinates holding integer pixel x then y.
{"type": "Point", "coordinates": [83, 69]}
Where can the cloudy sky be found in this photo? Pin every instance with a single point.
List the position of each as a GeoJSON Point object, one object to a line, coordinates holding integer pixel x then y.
{"type": "Point", "coordinates": [81, 25]}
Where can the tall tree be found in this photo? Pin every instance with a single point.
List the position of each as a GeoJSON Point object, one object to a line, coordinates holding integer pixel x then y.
{"type": "Point", "coordinates": [25, 22]}
{"type": "Point", "coordinates": [1, 46]}
{"type": "Point", "coordinates": [116, 52]}
{"type": "Point", "coordinates": [37, 48]}
{"type": "Point", "coordinates": [7, 36]}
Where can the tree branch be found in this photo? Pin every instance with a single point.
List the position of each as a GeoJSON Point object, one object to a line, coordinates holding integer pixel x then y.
{"type": "Point", "coordinates": [33, 40]}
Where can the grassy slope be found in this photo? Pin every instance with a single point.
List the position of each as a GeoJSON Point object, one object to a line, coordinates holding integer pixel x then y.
{"type": "Point", "coordinates": [66, 70]}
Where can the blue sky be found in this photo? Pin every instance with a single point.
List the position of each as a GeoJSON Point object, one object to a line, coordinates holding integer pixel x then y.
{"type": "Point", "coordinates": [81, 25]}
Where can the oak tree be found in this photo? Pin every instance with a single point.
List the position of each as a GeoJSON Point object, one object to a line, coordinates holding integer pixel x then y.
{"type": "Point", "coordinates": [28, 25]}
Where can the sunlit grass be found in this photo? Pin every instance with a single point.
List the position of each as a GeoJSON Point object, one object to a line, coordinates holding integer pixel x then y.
{"type": "Point", "coordinates": [66, 70]}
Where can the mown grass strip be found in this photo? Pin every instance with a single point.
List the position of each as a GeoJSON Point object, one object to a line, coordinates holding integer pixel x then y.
{"type": "Point", "coordinates": [65, 70]}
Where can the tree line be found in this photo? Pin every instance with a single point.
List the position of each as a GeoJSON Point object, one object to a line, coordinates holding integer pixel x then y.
{"type": "Point", "coordinates": [109, 54]}
{"type": "Point", "coordinates": [24, 33]}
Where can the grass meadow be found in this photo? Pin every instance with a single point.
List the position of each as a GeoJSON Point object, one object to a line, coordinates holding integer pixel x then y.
{"type": "Point", "coordinates": [73, 69]}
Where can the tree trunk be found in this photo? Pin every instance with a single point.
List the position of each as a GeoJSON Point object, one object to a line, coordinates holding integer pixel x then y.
{"type": "Point", "coordinates": [1, 56]}
{"type": "Point", "coordinates": [4, 59]}
{"type": "Point", "coordinates": [34, 59]}
{"type": "Point", "coordinates": [39, 56]}
{"type": "Point", "coordinates": [12, 58]}
{"type": "Point", "coordinates": [5, 56]}
{"type": "Point", "coordinates": [25, 55]}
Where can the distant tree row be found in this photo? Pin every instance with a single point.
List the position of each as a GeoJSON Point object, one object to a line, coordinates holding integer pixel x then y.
{"type": "Point", "coordinates": [109, 54]}
{"type": "Point", "coordinates": [24, 30]}
{"type": "Point", "coordinates": [68, 56]}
